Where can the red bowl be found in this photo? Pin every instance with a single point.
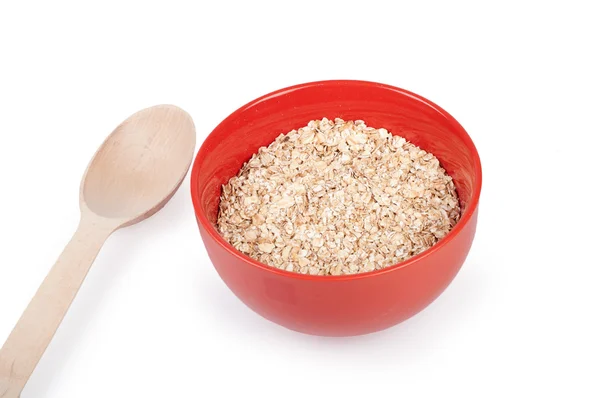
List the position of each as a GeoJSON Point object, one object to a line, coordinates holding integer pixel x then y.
{"type": "Point", "coordinates": [337, 305]}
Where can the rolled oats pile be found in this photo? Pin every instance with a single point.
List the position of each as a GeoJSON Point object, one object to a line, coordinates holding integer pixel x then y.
{"type": "Point", "coordinates": [337, 197]}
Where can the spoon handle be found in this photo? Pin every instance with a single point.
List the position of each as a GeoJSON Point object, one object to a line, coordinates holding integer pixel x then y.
{"type": "Point", "coordinates": [28, 340]}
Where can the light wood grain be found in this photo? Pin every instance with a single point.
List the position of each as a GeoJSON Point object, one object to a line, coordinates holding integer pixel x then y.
{"type": "Point", "coordinates": [132, 175]}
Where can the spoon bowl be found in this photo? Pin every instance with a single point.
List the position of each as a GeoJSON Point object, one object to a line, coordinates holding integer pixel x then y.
{"type": "Point", "coordinates": [134, 172]}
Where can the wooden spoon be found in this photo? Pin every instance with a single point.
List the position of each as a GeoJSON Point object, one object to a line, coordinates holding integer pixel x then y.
{"type": "Point", "coordinates": [132, 175]}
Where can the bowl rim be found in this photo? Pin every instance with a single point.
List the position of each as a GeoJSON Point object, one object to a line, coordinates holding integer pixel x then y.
{"type": "Point", "coordinates": [460, 225]}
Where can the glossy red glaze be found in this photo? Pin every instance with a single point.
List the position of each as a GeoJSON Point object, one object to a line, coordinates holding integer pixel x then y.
{"type": "Point", "coordinates": [337, 305]}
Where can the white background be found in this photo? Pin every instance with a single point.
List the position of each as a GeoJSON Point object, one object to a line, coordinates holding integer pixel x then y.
{"type": "Point", "coordinates": [153, 319]}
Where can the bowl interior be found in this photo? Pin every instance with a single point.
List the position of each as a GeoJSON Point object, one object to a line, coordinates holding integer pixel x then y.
{"type": "Point", "coordinates": [258, 123]}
